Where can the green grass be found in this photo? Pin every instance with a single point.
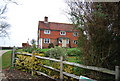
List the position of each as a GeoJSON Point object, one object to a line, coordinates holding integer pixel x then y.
{"type": "Point", "coordinates": [19, 50]}
{"type": "Point", "coordinates": [69, 58]}
{"type": "Point", "coordinates": [6, 59]}
{"type": "Point", "coordinates": [44, 50]}
{"type": "Point", "coordinates": [70, 49]}
{"type": "Point", "coordinates": [72, 59]}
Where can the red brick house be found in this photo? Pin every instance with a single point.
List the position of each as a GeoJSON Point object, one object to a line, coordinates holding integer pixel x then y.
{"type": "Point", "coordinates": [60, 34]}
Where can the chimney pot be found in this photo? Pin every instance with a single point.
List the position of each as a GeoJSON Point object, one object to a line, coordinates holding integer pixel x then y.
{"type": "Point", "coordinates": [46, 19]}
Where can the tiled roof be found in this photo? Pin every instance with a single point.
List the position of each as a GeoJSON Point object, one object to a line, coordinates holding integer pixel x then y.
{"type": "Point", "coordinates": [56, 26]}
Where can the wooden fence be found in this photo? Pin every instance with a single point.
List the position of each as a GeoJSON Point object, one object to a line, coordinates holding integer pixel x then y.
{"type": "Point", "coordinates": [116, 73]}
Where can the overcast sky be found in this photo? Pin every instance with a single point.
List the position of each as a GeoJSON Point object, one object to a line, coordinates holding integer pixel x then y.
{"type": "Point", "coordinates": [25, 16]}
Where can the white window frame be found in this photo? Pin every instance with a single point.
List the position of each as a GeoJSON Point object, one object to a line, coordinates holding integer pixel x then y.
{"type": "Point", "coordinates": [46, 40]}
{"type": "Point", "coordinates": [75, 41]}
{"type": "Point", "coordinates": [60, 40]}
{"type": "Point", "coordinates": [46, 31]}
{"type": "Point", "coordinates": [62, 33]}
{"type": "Point", "coordinates": [67, 41]}
{"type": "Point", "coordinates": [75, 34]}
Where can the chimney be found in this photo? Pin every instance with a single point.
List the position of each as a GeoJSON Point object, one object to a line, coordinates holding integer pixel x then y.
{"type": "Point", "coordinates": [46, 19]}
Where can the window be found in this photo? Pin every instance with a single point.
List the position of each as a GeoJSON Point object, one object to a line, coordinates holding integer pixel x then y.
{"type": "Point", "coordinates": [75, 42]}
{"type": "Point", "coordinates": [60, 40]}
{"type": "Point", "coordinates": [46, 31]}
{"type": "Point", "coordinates": [67, 41]}
{"type": "Point", "coordinates": [46, 40]}
{"type": "Point", "coordinates": [62, 33]}
{"type": "Point", "coordinates": [75, 34]}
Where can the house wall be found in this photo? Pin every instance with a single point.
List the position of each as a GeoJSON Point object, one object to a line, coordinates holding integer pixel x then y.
{"type": "Point", "coordinates": [45, 45]}
{"type": "Point", "coordinates": [54, 34]}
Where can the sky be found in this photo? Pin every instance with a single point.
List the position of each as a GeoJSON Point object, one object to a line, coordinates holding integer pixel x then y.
{"type": "Point", "coordinates": [25, 16]}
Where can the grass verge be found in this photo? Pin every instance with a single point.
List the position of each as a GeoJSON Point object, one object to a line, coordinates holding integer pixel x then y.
{"type": "Point", "coordinates": [6, 59]}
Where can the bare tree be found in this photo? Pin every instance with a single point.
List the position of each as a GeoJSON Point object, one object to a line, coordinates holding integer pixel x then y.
{"type": "Point", "coordinates": [3, 28]}
{"type": "Point", "coordinates": [3, 24]}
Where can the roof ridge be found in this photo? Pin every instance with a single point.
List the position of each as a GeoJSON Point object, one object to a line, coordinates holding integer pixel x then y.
{"type": "Point", "coordinates": [58, 23]}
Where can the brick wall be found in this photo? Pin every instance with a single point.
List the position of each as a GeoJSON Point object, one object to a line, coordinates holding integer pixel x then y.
{"type": "Point", "coordinates": [56, 34]}
{"type": "Point", "coordinates": [45, 45]}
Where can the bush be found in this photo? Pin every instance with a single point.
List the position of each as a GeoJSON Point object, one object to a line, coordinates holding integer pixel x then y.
{"type": "Point", "coordinates": [56, 52]}
{"type": "Point", "coordinates": [31, 49]}
{"type": "Point", "coordinates": [51, 45]}
{"type": "Point", "coordinates": [27, 63]}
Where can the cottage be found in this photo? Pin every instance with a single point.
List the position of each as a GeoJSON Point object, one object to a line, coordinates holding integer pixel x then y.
{"type": "Point", "coordinates": [59, 34]}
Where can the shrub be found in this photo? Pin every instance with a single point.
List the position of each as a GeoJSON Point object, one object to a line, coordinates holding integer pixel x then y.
{"type": "Point", "coordinates": [56, 52]}
{"type": "Point", "coordinates": [51, 45]}
{"type": "Point", "coordinates": [27, 63]}
{"type": "Point", "coordinates": [31, 49]}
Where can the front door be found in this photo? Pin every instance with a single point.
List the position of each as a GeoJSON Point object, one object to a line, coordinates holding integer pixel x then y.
{"type": "Point", "coordinates": [63, 42]}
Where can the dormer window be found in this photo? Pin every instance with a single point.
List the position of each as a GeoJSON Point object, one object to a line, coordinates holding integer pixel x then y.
{"type": "Point", "coordinates": [62, 33]}
{"type": "Point", "coordinates": [46, 31]}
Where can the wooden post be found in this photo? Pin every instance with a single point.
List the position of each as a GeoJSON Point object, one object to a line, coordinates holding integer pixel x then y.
{"type": "Point", "coordinates": [61, 68]}
{"type": "Point", "coordinates": [32, 64]}
{"type": "Point", "coordinates": [117, 73]}
{"type": "Point", "coordinates": [0, 64]}
{"type": "Point", "coordinates": [13, 56]}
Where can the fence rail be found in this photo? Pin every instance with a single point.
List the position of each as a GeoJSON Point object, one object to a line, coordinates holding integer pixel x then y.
{"type": "Point", "coordinates": [103, 70]}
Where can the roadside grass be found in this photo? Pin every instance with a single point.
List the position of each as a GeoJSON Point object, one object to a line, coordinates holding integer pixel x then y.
{"type": "Point", "coordinates": [6, 59]}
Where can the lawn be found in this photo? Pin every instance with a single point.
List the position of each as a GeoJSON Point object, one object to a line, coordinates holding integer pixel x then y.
{"type": "Point", "coordinates": [6, 59]}
{"type": "Point", "coordinates": [70, 49]}
{"type": "Point", "coordinates": [44, 50]}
